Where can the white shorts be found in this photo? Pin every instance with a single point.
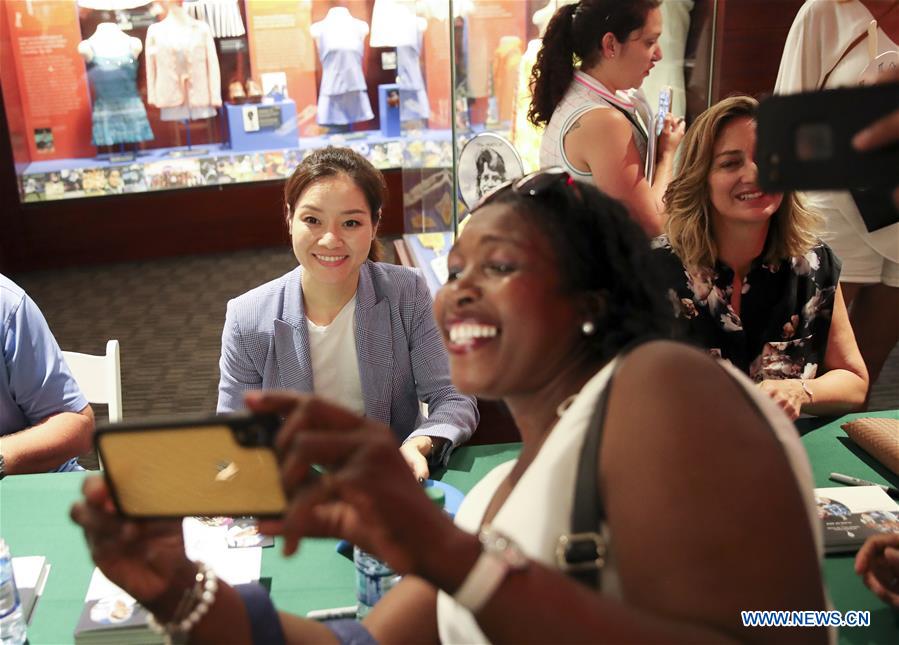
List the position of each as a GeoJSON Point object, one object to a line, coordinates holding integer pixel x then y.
{"type": "Point", "coordinates": [861, 263]}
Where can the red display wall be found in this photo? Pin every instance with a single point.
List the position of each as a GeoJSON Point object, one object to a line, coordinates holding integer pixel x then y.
{"type": "Point", "coordinates": [47, 77]}
{"type": "Point", "coordinates": [278, 34]}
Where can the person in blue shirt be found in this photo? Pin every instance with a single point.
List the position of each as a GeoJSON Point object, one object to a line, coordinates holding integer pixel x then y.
{"type": "Point", "coordinates": [45, 421]}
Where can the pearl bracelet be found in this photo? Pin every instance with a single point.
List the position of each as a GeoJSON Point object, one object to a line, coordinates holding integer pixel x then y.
{"type": "Point", "coordinates": [198, 600]}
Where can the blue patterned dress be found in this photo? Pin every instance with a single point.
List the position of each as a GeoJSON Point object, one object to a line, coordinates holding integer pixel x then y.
{"type": "Point", "coordinates": [119, 115]}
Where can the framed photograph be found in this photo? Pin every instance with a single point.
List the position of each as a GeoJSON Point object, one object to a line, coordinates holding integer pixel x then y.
{"type": "Point", "coordinates": [487, 161]}
{"type": "Point", "coordinates": [250, 118]}
{"type": "Point", "coordinates": [274, 85]}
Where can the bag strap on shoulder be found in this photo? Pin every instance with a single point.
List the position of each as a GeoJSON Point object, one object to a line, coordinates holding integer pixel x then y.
{"type": "Point", "coordinates": [855, 44]}
{"type": "Point", "coordinates": [582, 552]}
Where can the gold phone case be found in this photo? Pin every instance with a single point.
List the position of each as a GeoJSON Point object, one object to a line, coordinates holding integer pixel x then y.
{"type": "Point", "coordinates": [219, 466]}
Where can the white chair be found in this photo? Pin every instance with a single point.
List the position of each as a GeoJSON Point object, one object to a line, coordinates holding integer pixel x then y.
{"type": "Point", "coordinates": [99, 377]}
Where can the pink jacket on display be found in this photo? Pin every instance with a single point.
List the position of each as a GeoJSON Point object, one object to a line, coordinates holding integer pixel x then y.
{"type": "Point", "coordinates": [182, 67]}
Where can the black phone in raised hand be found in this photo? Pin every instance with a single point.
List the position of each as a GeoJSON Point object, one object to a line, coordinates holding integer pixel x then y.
{"type": "Point", "coordinates": [805, 140]}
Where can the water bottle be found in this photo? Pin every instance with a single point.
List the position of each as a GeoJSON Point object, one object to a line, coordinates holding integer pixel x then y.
{"type": "Point", "coordinates": [12, 620]}
{"type": "Point", "coordinates": [436, 495]}
{"type": "Point", "coordinates": [373, 579]}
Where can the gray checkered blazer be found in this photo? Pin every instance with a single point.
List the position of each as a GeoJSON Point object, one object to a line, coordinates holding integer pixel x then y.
{"type": "Point", "coordinates": [402, 359]}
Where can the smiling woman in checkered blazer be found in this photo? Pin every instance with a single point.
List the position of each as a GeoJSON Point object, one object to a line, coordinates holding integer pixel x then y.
{"type": "Point", "coordinates": [342, 324]}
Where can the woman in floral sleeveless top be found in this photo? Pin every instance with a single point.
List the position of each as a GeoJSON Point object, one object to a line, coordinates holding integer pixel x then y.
{"type": "Point", "coordinates": [749, 280]}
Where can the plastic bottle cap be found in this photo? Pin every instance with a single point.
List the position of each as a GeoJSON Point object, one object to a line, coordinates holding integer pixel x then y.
{"type": "Point", "coordinates": [436, 495]}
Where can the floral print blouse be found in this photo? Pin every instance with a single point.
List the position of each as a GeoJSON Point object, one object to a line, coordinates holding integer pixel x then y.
{"type": "Point", "coordinates": [785, 311]}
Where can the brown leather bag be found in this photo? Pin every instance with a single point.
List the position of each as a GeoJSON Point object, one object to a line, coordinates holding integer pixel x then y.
{"type": "Point", "coordinates": [879, 437]}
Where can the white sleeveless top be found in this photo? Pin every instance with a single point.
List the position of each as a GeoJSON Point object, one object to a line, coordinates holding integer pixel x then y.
{"type": "Point", "coordinates": [538, 510]}
{"type": "Point", "coordinates": [584, 94]}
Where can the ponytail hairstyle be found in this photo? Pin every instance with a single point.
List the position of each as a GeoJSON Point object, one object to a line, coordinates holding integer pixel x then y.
{"type": "Point", "coordinates": [574, 35]}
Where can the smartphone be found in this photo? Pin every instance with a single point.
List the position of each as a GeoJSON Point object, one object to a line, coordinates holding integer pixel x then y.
{"type": "Point", "coordinates": [655, 130]}
{"type": "Point", "coordinates": [210, 466]}
{"type": "Point", "coordinates": [805, 140]}
{"type": "Point", "coordinates": [664, 108]}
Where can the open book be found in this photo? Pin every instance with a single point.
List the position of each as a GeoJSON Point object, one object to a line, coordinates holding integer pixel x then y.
{"type": "Point", "coordinates": [851, 514]}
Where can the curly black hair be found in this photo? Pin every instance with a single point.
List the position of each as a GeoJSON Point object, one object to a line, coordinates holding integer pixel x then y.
{"type": "Point", "coordinates": [603, 253]}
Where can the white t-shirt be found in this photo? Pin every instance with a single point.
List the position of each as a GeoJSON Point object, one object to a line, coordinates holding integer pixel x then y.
{"type": "Point", "coordinates": [335, 366]}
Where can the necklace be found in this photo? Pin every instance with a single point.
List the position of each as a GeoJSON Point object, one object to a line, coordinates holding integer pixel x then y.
{"type": "Point", "coordinates": [565, 404]}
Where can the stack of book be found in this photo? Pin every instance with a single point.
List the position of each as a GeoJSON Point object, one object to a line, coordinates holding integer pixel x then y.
{"type": "Point", "coordinates": [112, 616]}
{"type": "Point", "coordinates": [31, 575]}
{"type": "Point", "coordinates": [850, 515]}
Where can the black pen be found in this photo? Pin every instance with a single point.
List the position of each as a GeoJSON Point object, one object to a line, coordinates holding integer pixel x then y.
{"type": "Point", "coordinates": [855, 481]}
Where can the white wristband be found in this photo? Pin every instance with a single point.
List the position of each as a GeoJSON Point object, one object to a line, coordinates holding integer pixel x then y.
{"type": "Point", "coordinates": [481, 582]}
{"type": "Point", "coordinates": [499, 556]}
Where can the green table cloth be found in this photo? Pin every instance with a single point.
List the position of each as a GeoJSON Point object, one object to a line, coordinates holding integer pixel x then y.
{"type": "Point", "coordinates": [34, 521]}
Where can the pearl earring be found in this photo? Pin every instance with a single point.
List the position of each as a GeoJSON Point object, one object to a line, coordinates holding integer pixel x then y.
{"type": "Point", "coordinates": [588, 328]}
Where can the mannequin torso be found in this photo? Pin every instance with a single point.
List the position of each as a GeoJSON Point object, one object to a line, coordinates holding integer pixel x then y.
{"type": "Point", "coordinates": [340, 40]}
{"type": "Point", "coordinates": [109, 41]}
{"type": "Point", "coordinates": [118, 114]}
{"type": "Point", "coordinates": [339, 30]}
{"type": "Point", "coordinates": [542, 16]}
{"type": "Point", "coordinates": [183, 76]}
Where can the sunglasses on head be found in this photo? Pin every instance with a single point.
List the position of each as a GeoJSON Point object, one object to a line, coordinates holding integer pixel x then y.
{"type": "Point", "coordinates": [534, 184]}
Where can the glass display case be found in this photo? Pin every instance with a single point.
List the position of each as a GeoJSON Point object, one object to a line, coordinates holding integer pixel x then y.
{"type": "Point", "coordinates": [493, 46]}
{"type": "Point", "coordinates": [109, 97]}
